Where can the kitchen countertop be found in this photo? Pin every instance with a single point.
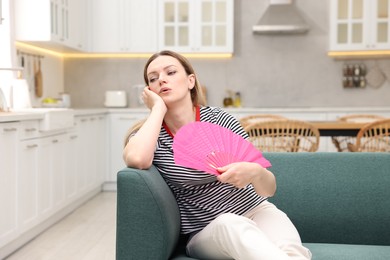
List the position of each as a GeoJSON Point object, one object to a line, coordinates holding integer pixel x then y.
{"type": "Point", "coordinates": [13, 116]}
{"type": "Point", "coordinates": [20, 116]}
{"type": "Point", "coordinates": [89, 111]}
{"type": "Point", "coordinates": [273, 109]}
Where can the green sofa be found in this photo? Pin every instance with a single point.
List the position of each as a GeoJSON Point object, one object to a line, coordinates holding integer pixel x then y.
{"type": "Point", "coordinates": [339, 202]}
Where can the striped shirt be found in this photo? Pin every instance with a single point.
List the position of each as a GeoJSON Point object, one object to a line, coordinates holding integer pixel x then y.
{"type": "Point", "coordinates": [200, 197]}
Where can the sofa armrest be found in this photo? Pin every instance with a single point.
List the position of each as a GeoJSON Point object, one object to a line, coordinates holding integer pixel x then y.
{"type": "Point", "coordinates": [148, 220]}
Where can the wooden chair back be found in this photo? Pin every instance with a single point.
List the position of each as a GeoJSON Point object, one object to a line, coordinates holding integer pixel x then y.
{"type": "Point", "coordinates": [284, 136]}
{"type": "Point", "coordinates": [346, 143]}
{"type": "Point", "coordinates": [374, 137]}
{"type": "Point", "coordinates": [245, 121]}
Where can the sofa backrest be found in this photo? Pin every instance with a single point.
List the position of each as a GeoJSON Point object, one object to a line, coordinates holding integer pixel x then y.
{"type": "Point", "coordinates": [335, 197]}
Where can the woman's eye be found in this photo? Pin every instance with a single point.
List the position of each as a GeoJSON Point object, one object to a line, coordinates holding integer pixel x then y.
{"type": "Point", "coordinates": [151, 80]}
{"type": "Point", "coordinates": [171, 72]}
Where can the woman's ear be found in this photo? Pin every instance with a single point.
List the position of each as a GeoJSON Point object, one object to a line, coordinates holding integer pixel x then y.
{"type": "Point", "coordinates": [192, 81]}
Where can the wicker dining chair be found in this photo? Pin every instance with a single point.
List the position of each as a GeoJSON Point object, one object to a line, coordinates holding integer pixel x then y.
{"type": "Point", "coordinates": [344, 143]}
{"type": "Point", "coordinates": [373, 137]}
{"type": "Point", "coordinates": [284, 136]}
{"type": "Point", "coordinates": [244, 121]}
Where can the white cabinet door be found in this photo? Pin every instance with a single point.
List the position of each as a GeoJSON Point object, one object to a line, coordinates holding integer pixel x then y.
{"type": "Point", "coordinates": [44, 179]}
{"type": "Point", "coordinates": [120, 26]}
{"type": "Point", "coordinates": [92, 151]}
{"type": "Point", "coordinates": [50, 23]}
{"type": "Point", "coordinates": [359, 25]}
{"type": "Point", "coordinates": [78, 24]}
{"type": "Point", "coordinates": [119, 123]}
{"type": "Point", "coordinates": [57, 169]}
{"type": "Point", "coordinates": [28, 215]}
{"type": "Point", "coordinates": [84, 160]}
{"type": "Point", "coordinates": [71, 166]}
{"type": "Point", "coordinates": [8, 181]}
{"type": "Point", "coordinates": [101, 148]}
{"type": "Point", "coordinates": [105, 33]}
{"type": "Point", "coordinates": [139, 21]}
{"type": "Point", "coordinates": [196, 26]}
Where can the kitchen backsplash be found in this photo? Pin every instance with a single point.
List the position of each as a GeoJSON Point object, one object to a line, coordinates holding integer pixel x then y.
{"type": "Point", "coordinates": [304, 82]}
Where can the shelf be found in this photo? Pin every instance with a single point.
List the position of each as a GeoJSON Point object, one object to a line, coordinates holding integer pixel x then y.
{"type": "Point", "coordinates": [343, 55]}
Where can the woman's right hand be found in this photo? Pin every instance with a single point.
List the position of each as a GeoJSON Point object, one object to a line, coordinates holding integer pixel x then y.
{"type": "Point", "coordinates": [139, 151]}
{"type": "Point", "coordinates": [152, 99]}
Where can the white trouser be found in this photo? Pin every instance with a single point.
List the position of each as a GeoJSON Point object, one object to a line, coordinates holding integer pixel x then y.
{"type": "Point", "coordinates": [265, 232]}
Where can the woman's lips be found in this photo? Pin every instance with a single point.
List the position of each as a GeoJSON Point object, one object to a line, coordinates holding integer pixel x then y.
{"type": "Point", "coordinates": [164, 90]}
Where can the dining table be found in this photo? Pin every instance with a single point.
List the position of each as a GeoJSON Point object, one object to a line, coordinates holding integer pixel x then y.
{"type": "Point", "coordinates": [338, 127]}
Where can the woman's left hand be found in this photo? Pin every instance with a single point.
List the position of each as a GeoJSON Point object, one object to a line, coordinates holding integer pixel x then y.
{"type": "Point", "coordinates": [238, 174]}
{"type": "Point", "coordinates": [241, 174]}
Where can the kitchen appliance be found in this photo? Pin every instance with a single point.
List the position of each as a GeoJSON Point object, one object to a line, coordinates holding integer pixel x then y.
{"type": "Point", "coordinates": [281, 17]}
{"type": "Point", "coordinates": [65, 100]}
{"type": "Point", "coordinates": [115, 98]}
{"type": "Point", "coordinates": [3, 102]}
{"type": "Point", "coordinates": [20, 94]}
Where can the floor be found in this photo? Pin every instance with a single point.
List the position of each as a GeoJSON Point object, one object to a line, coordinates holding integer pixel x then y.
{"type": "Point", "coordinates": [88, 233]}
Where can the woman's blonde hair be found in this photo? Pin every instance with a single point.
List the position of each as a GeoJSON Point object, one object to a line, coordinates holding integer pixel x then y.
{"type": "Point", "coordinates": [132, 130]}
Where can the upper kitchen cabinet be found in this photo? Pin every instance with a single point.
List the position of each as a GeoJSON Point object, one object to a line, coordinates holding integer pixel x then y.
{"type": "Point", "coordinates": [359, 25]}
{"type": "Point", "coordinates": [123, 26]}
{"type": "Point", "coordinates": [204, 26]}
{"type": "Point", "coordinates": [53, 24]}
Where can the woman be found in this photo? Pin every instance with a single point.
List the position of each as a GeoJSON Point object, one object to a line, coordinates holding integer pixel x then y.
{"type": "Point", "coordinates": [227, 217]}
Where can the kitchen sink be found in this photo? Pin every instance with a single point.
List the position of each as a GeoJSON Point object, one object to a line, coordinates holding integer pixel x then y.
{"type": "Point", "coordinates": [54, 118]}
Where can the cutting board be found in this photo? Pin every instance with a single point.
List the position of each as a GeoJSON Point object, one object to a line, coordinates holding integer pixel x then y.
{"type": "Point", "coordinates": [38, 79]}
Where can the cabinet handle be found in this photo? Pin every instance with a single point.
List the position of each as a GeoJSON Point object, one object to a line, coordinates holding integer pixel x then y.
{"type": "Point", "coordinates": [73, 137]}
{"type": "Point", "coordinates": [30, 129]}
{"type": "Point", "coordinates": [92, 119]}
{"type": "Point", "coordinates": [55, 141]}
{"type": "Point", "coordinates": [13, 129]}
{"type": "Point", "coordinates": [84, 120]}
{"type": "Point", "coordinates": [30, 146]}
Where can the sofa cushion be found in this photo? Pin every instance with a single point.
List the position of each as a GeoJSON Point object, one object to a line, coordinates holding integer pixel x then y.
{"type": "Point", "coordinates": [323, 251]}
{"type": "Point", "coordinates": [340, 198]}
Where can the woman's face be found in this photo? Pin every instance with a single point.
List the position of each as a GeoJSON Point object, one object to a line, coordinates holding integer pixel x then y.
{"type": "Point", "coordinates": [168, 79]}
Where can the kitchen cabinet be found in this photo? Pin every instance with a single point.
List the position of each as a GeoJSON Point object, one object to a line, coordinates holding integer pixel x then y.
{"type": "Point", "coordinates": [41, 176]}
{"type": "Point", "coordinates": [78, 24]}
{"type": "Point", "coordinates": [8, 181]}
{"type": "Point", "coordinates": [56, 163]}
{"type": "Point", "coordinates": [28, 184]}
{"type": "Point", "coordinates": [92, 150]}
{"type": "Point", "coordinates": [196, 26]}
{"type": "Point", "coordinates": [119, 124]}
{"type": "Point", "coordinates": [72, 164]}
{"type": "Point", "coordinates": [54, 24]}
{"type": "Point", "coordinates": [120, 26]}
{"type": "Point", "coordinates": [357, 25]}
{"type": "Point", "coordinates": [44, 174]}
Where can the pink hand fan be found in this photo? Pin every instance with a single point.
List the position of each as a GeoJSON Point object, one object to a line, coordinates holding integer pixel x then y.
{"type": "Point", "coordinates": [205, 146]}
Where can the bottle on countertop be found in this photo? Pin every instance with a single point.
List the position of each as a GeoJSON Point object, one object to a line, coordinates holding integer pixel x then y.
{"type": "Point", "coordinates": [237, 100]}
{"type": "Point", "coordinates": [228, 100]}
